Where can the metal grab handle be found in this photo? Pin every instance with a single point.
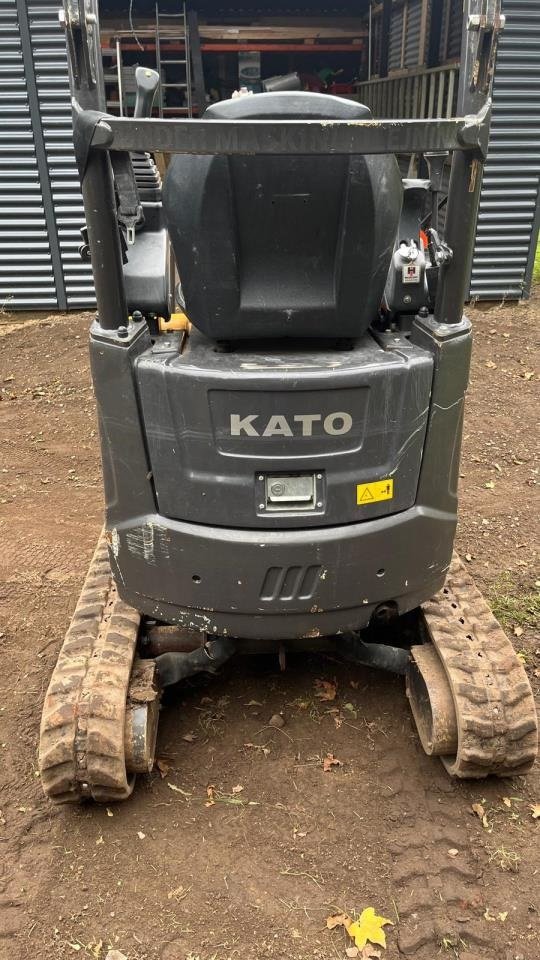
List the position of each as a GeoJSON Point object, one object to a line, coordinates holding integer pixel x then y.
{"type": "Point", "coordinates": [147, 82]}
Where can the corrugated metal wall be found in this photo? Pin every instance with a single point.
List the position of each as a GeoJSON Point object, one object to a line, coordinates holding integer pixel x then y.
{"type": "Point", "coordinates": [26, 265]}
{"type": "Point", "coordinates": [509, 205]}
{"type": "Point", "coordinates": [396, 38]}
{"type": "Point", "coordinates": [51, 72]}
{"type": "Point", "coordinates": [450, 46]}
{"type": "Point", "coordinates": [40, 202]}
{"type": "Point", "coordinates": [411, 53]}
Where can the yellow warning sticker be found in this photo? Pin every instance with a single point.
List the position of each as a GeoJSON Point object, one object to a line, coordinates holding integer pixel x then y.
{"type": "Point", "coordinates": [371, 492]}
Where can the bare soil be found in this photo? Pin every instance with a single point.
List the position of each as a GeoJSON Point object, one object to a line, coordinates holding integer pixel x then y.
{"type": "Point", "coordinates": [167, 877]}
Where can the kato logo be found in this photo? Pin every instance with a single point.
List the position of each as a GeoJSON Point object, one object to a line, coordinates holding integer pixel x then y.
{"type": "Point", "coordinates": [300, 425]}
{"type": "Point", "coordinates": [367, 493]}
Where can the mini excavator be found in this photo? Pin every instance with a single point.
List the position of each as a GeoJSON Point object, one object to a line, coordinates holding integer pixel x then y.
{"type": "Point", "coordinates": [280, 359]}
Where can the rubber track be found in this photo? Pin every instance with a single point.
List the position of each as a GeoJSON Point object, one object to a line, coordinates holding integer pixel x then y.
{"type": "Point", "coordinates": [81, 750]}
{"type": "Point", "coordinates": [497, 722]}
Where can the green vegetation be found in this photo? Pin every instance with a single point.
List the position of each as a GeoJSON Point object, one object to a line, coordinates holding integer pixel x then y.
{"type": "Point", "coordinates": [512, 606]}
{"type": "Point", "coordinates": [536, 270]}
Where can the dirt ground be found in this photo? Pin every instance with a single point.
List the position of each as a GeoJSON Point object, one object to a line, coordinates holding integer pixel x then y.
{"type": "Point", "coordinates": [255, 875]}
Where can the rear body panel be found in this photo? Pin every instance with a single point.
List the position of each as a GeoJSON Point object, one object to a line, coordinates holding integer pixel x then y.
{"type": "Point", "coordinates": [270, 577]}
{"type": "Point", "coordinates": [216, 422]}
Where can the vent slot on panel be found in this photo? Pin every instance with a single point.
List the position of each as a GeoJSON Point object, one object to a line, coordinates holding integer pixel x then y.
{"type": "Point", "coordinates": [290, 583]}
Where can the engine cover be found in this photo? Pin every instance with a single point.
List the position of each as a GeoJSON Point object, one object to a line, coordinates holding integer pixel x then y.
{"type": "Point", "coordinates": [285, 435]}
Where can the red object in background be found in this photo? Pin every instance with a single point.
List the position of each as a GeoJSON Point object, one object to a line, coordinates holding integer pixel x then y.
{"type": "Point", "coordinates": [340, 88]}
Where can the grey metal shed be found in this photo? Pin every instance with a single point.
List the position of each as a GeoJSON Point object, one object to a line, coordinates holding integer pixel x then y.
{"type": "Point", "coordinates": [40, 202]}
{"type": "Point", "coordinates": [41, 207]}
{"type": "Point", "coordinates": [509, 214]}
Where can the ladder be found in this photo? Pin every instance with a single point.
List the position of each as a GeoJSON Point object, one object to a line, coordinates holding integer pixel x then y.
{"type": "Point", "coordinates": [180, 29]}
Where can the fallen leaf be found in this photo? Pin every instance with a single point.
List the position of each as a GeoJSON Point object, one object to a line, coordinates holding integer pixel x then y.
{"type": "Point", "coordinates": [369, 953]}
{"type": "Point", "coordinates": [507, 801]}
{"type": "Point", "coordinates": [189, 737]}
{"type": "Point", "coordinates": [352, 952]}
{"type": "Point", "coordinates": [489, 485]}
{"type": "Point", "coordinates": [349, 707]}
{"type": "Point", "coordinates": [535, 810]}
{"type": "Point", "coordinates": [238, 788]}
{"type": "Point", "coordinates": [491, 365]}
{"type": "Point", "coordinates": [163, 768]}
{"type": "Point", "coordinates": [468, 557]}
{"type": "Point", "coordinates": [478, 809]}
{"type": "Point", "coordinates": [99, 841]}
{"type": "Point", "coordinates": [368, 927]}
{"type": "Point", "coordinates": [527, 376]}
{"type": "Point", "coordinates": [326, 689]}
{"type": "Point", "coordinates": [253, 703]}
{"type": "Point", "coordinates": [257, 746]}
{"type": "Point", "coordinates": [141, 835]}
{"type": "Point", "coordinates": [338, 920]}
{"type": "Point", "coordinates": [488, 916]}
{"type": "Point", "coordinates": [109, 812]}
{"type": "Point", "coordinates": [502, 916]}
{"type": "Point", "coordinates": [210, 793]}
{"type": "Point", "coordinates": [115, 955]}
{"type": "Point", "coordinates": [518, 631]}
{"type": "Point", "coordinates": [331, 761]}
{"type": "Point", "coordinates": [453, 852]}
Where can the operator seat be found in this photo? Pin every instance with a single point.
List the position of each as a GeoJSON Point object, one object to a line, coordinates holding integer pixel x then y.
{"type": "Point", "coordinates": [283, 246]}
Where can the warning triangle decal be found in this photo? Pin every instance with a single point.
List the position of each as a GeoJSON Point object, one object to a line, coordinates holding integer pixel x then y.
{"type": "Point", "coordinates": [366, 495]}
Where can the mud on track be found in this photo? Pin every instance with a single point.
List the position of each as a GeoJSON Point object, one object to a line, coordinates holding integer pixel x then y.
{"type": "Point", "coordinates": [165, 877]}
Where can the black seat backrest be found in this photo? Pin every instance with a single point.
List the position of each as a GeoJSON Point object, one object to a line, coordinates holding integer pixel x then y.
{"type": "Point", "coordinates": [283, 246]}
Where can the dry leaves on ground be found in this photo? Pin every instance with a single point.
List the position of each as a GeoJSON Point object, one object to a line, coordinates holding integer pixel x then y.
{"type": "Point", "coordinates": [368, 929]}
{"type": "Point", "coordinates": [478, 809]}
{"type": "Point", "coordinates": [331, 761]}
{"type": "Point", "coordinates": [326, 689]}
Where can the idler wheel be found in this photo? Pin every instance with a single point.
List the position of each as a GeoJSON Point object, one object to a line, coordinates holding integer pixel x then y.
{"type": "Point", "coordinates": [142, 716]}
{"type": "Point", "coordinates": [431, 702]}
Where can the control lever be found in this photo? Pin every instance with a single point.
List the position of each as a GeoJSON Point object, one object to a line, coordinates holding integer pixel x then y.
{"type": "Point", "coordinates": [440, 253]}
{"type": "Point", "coordinates": [147, 82]}
{"type": "Point", "coordinates": [435, 162]}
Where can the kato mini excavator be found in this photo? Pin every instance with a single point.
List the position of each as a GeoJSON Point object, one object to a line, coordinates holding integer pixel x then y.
{"type": "Point", "coordinates": [280, 456]}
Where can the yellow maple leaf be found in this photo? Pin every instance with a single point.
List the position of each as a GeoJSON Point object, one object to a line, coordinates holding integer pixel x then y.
{"type": "Point", "coordinates": [368, 928]}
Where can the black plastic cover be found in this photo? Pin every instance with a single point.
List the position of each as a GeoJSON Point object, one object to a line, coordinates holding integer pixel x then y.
{"type": "Point", "coordinates": [277, 246]}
